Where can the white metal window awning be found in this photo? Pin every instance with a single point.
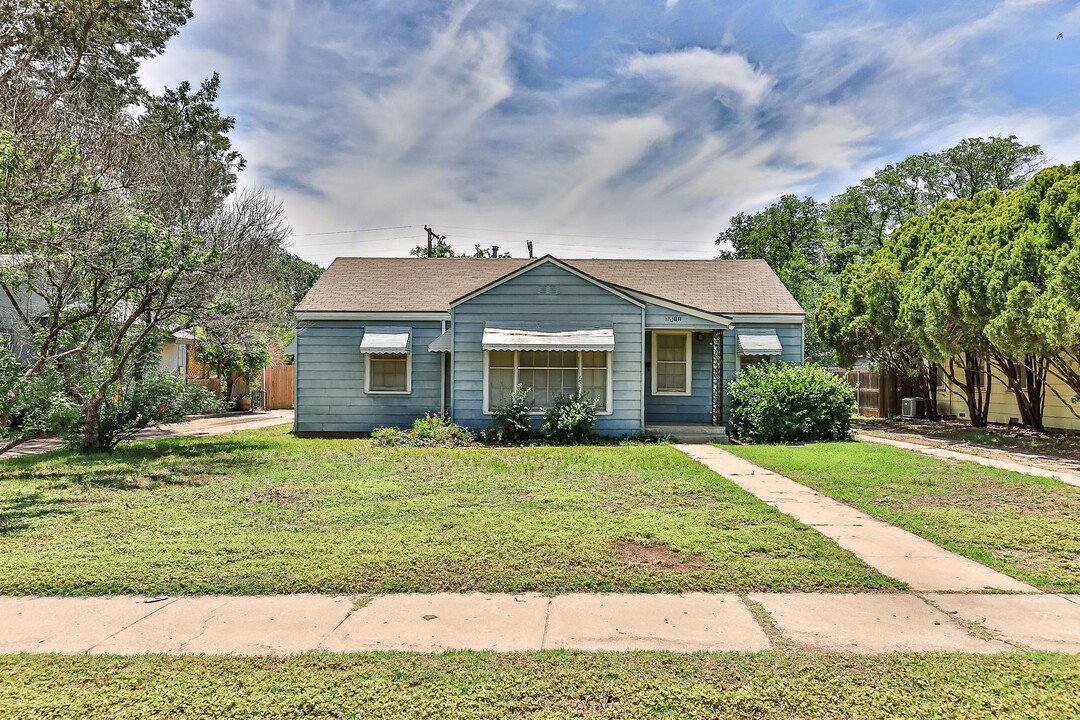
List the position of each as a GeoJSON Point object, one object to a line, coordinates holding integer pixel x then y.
{"type": "Point", "coordinates": [592, 339]}
{"type": "Point", "coordinates": [759, 341]}
{"type": "Point", "coordinates": [440, 344]}
{"type": "Point", "coordinates": [385, 340]}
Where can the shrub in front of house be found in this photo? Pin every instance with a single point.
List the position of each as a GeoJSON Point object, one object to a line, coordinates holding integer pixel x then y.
{"type": "Point", "coordinates": [434, 430]}
{"type": "Point", "coordinates": [570, 419]}
{"type": "Point", "coordinates": [790, 403]}
{"type": "Point", "coordinates": [512, 422]}
{"type": "Point", "coordinates": [154, 398]}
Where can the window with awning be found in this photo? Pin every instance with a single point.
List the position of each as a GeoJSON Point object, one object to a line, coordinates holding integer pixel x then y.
{"type": "Point", "coordinates": [548, 374]}
{"type": "Point", "coordinates": [587, 339]}
{"type": "Point", "coordinates": [380, 340]}
{"type": "Point", "coordinates": [387, 360]}
{"type": "Point", "coordinates": [759, 341]}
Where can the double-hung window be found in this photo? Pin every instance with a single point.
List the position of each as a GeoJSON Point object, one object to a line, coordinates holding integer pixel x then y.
{"type": "Point", "coordinates": [548, 374]}
{"type": "Point", "coordinates": [388, 373]}
{"type": "Point", "coordinates": [387, 360]}
{"type": "Point", "coordinates": [670, 363]}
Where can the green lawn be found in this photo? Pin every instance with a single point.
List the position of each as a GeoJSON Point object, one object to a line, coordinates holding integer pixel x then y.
{"type": "Point", "coordinates": [1026, 526]}
{"type": "Point", "coordinates": [262, 511]}
{"type": "Point", "coordinates": [542, 685]}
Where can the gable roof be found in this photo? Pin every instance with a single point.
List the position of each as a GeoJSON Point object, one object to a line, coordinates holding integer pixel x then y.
{"type": "Point", "coordinates": [546, 260]}
{"type": "Point", "coordinates": [389, 285]}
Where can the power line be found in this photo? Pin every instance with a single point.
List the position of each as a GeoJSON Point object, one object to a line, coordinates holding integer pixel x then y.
{"type": "Point", "coordinates": [360, 230]}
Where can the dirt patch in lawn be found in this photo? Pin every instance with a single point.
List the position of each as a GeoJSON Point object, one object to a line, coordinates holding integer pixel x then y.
{"type": "Point", "coordinates": [1027, 500]}
{"type": "Point", "coordinates": [655, 557]}
{"type": "Point", "coordinates": [272, 495]}
{"type": "Point", "coordinates": [1053, 450]}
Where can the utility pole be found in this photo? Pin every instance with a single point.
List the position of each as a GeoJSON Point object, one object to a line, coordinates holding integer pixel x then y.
{"type": "Point", "coordinates": [432, 236]}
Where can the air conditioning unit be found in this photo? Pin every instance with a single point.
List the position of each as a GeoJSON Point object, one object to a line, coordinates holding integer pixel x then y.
{"type": "Point", "coordinates": [913, 407]}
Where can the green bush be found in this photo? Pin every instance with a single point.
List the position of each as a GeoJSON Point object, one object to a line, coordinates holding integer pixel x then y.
{"type": "Point", "coordinates": [790, 403]}
{"type": "Point", "coordinates": [156, 398]}
{"type": "Point", "coordinates": [570, 419]}
{"type": "Point", "coordinates": [513, 424]}
{"type": "Point", "coordinates": [434, 430]}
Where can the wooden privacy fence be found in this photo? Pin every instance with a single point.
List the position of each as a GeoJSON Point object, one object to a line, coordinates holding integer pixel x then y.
{"type": "Point", "coordinates": [279, 387]}
{"type": "Point", "coordinates": [867, 386]}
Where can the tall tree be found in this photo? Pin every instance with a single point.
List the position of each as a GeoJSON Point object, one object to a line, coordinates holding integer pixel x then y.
{"type": "Point", "coordinates": [789, 236]}
{"type": "Point", "coordinates": [114, 221]}
{"type": "Point", "coordinates": [859, 220]}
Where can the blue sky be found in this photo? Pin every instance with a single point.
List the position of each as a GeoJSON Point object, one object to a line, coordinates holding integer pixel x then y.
{"type": "Point", "coordinates": [618, 129]}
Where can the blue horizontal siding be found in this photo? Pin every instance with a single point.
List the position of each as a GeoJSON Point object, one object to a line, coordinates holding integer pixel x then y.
{"type": "Point", "coordinates": [661, 317]}
{"type": "Point", "coordinates": [330, 393]}
{"type": "Point", "coordinates": [695, 407]}
{"type": "Point", "coordinates": [577, 302]}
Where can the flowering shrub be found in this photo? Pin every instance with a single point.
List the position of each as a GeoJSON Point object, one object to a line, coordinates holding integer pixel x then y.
{"type": "Point", "coordinates": [512, 418]}
{"type": "Point", "coordinates": [434, 430]}
{"type": "Point", "coordinates": [570, 419]}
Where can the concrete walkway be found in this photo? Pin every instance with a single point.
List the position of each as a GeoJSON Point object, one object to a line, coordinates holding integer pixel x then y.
{"type": "Point", "coordinates": [197, 427]}
{"type": "Point", "coordinates": [1017, 465]}
{"type": "Point", "coordinates": [866, 623]}
{"type": "Point", "coordinates": [890, 550]}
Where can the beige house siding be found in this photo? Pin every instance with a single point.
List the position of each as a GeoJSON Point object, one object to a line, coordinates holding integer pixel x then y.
{"type": "Point", "coordinates": [1056, 413]}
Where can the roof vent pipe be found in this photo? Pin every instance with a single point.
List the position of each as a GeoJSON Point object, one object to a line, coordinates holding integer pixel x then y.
{"type": "Point", "coordinates": [494, 251]}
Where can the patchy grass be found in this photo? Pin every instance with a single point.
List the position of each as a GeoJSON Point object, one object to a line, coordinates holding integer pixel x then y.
{"type": "Point", "coordinates": [542, 685]}
{"type": "Point", "coordinates": [1060, 443]}
{"type": "Point", "coordinates": [1028, 527]}
{"type": "Point", "coordinates": [261, 511]}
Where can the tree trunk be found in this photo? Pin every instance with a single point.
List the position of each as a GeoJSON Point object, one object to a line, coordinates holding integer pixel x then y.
{"type": "Point", "coordinates": [928, 389]}
{"type": "Point", "coordinates": [976, 391]}
{"type": "Point", "coordinates": [92, 426]}
{"type": "Point", "coordinates": [1027, 382]}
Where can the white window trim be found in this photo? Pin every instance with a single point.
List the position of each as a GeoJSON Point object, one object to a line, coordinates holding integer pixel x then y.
{"type": "Point", "coordinates": [689, 334]}
{"type": "Point", "coordinates": [408, 377]}
{"type": "Point", "coordinates": [488, 410]}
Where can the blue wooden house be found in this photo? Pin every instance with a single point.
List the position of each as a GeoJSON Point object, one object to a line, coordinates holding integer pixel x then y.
{"type": "Point", "coordinates": [381, 341]}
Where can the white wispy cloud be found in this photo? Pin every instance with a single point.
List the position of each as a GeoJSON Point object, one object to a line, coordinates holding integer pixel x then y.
{"type": "Point", "coordinates": [473, 115]}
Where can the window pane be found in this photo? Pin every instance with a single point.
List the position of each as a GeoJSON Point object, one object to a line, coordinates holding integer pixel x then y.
{"type": "Point", "coordinates": [565, 381]}
{"type": "Point", "coordinates": [671, 377]}
{"type": "Point", "coordinates": [541, 385]}
{"type": "Point", "coordinates": [566, 359]}
{"type": "Point", "coordinates": [594, 359]}
{"type": "Point", "coordinates": [501, 358]}
{"type": "Point", "coordinates": [532, 358]}
{"type": "Point", "coordinates": [671, 347]}
{"type": "Point", "coordinates": [501, 384]}
{"type": "Point", "coordinates": [389, 372]}
{"type": "Point", "coordinates": [594, 385]}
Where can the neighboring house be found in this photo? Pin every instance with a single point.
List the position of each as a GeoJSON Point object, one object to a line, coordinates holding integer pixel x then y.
{"type": "Point", "coordinates": [1059, 412]}
{"type": "Point", "coordinates": [381, 341]}
{"type": "Point", "coordinates": [174, 354]}
{"type": "Point", "coordinates": [13, 332]}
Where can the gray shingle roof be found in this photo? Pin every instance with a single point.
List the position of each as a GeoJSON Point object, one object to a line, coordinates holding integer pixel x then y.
{"type": "Point", "coordinates": [431, 284]}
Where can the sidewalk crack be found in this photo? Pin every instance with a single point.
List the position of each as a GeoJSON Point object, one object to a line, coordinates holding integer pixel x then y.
{"type": "Point", "coordinates": [547, 619]}
{"type": "Point", "coordinates": [135, 622]}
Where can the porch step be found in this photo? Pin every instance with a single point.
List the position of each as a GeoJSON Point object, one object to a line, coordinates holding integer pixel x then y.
{"type": "Point", "coordinates": [689, 432]}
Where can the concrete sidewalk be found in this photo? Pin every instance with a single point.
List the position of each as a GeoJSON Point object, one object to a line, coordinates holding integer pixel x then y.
{"type": "Point", "coordinates": [890, 550]}
{"type": "Point", "coordinates": [197, 427]}
{"type": "Point", "coordinates": [1014, 465]}
{"type": "Point", "coordinates": [867, 623]}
